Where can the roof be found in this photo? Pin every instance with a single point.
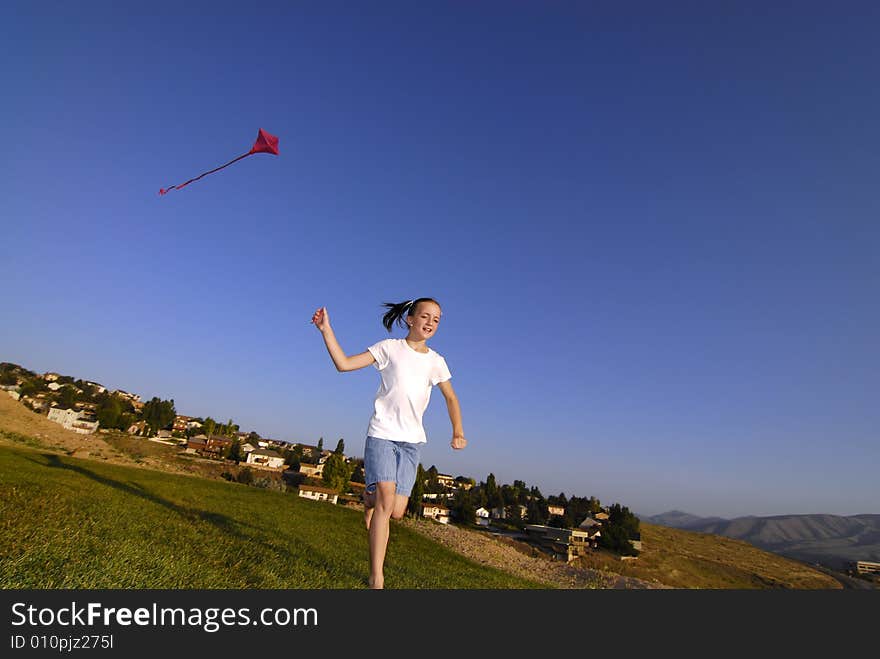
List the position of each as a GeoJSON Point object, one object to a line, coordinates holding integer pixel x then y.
{"type": "Point", "coordinates": [316, 488]}
{"type": "Point", "coordinates": [268, 453]}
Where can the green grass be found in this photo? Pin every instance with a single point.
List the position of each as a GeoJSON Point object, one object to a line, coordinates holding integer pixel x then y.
{"type": "Point", "coordinates": [70, 523]}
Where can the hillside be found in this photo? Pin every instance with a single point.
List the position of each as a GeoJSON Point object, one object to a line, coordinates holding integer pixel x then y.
{"type": "Point", "coordinates": [71, 523]}
{"type": "Point", "coordinates": [687, 559]}
{"type": "Point", "coordinates": [119, 517]}
{"type": "Point", "coordinates": [831, 540]}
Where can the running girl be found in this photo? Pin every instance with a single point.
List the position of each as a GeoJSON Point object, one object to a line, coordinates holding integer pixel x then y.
{"type": "Point", "coordinates": [408, 368]}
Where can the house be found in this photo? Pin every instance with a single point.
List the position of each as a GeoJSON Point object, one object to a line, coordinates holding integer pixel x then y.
{"type": "Point", "coordinates": [482, 516]}
{"type": "Point", "coordinates": [248, 447]}
{"type": "Point", "coordinates": [164, 434]}
{"type": "Point", "coordinates": [315, 471]}
{"type": "Point", "coordinates": [498, 513]}
{"type": "Point", "coordinates": [864, 567]}
{"type": "Point", "coordinates": [134, 398]}
{"type": "Point", "coordinates": [54, 386]}
{"type": "Point", "coordinates": [589, 523]}
{"type": "Point", "coordinates": [445, 480]}
{"type": "Point", "coordinates": [556, 510]}
{"type": "Point", "coordinates": [72, 420]}
{"type": "Point", "coordinates": [563, 544]}
{"type": "Point", "coordinates": [196, 443]}
{"type": "Point", "coordinates": [265, 458]}
{"type": "Point", "coordinates": [51, 377]}
{"type": "Point", "coordinates": [436, 511]}
{"type": "Point", "coordinates": [318, 493]}
{"type": "Point", "coordinates": [181, 422]}
{"type": "Point", "coordinates": [99, 388]}
{"type": "Point", "coordinates": [217, 444]}
{"type": "Point", "coordinates": [601, 516]}
{"type": "Point", "coordinates": [137, 428]}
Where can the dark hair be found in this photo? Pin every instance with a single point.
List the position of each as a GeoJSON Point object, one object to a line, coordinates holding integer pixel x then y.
{"type": "Point", "coordinates": [396, 311]}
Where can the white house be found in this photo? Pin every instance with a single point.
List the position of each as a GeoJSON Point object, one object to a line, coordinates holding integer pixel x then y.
{"type": "Point", "coordinates": [264, 458]}
{"type": "Point", "coordinates": [555, 510]}
{"type": "Point", "coordinates": [248, 447]}
{"type": "Point", "coordinates": [70, 419]}
{"type": "Point", "coordinates": [482, 516]}
{"type": "Point", "coordinates": [54, 386]}
{"type": "Point", "coordinates": [318, 493]}
{"type": "Point", "coordinates": [315, 471]}
{"type": "Point", "coordinates": [436, 512]}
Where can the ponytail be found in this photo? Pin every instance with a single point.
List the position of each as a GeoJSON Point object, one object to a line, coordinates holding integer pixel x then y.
{"type": "Point", "coordinates": [397, 311]}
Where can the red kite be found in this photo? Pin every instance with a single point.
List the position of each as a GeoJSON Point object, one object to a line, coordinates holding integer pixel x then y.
{"type": "Point", "coordinates": [265, 143]}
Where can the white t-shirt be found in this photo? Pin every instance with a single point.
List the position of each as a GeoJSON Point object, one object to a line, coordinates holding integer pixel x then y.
{"type": "Point", "coordinates": [402, 398]}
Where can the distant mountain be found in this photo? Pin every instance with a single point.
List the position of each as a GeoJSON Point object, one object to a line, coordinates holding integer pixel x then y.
{"type": "Point", "coordinates": [830, 540]}
{"type": "Point", "coordinates": [678, 519]}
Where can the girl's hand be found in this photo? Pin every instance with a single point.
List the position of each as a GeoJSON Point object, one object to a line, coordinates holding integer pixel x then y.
{"type": "Point", "coordinates": [458, 442]}
{"type": "Point", "coordinates": [321, 319]}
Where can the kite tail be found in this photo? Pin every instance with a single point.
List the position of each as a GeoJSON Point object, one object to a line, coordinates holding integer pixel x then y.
{"type": "Point", "coordinates": [183, 185]}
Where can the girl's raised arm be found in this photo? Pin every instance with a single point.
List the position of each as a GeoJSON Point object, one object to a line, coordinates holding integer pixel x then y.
{"type": "Point", "coordinates": [321, 320]}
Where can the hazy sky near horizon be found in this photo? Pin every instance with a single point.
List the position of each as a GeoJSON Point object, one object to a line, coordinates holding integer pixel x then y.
{"type": "Point", "coordinates": [653, 229]}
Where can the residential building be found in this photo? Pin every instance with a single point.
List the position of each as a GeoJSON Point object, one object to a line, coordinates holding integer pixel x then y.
{"type": "Point", "coordinates": [318, 493]}
{"type": "Point", "coordinates": [315, 471]}
{"type": "Point", "coordinates": [436, 511]}
{"type": "Point", "coordinates": [265, 458]}
{"type": "Point", "coordinates": [563, 544]}
{"type": "Point", "coordinates": [72, 420]}
{"type": "Point", "coordinates": [217, 444]}
{"type": "Point", "coordinates": [556, 510]}
{"type": "Point", "coordinates": [482, 516]}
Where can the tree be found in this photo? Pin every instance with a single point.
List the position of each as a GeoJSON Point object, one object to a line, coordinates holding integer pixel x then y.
{"type": "Point", "coordinates": [234, 452]}
{"type": "Point", "coordinates": [337, 472]}
{"type": "Point", "coordinates": [340, 447]}
{"type": "Point", "coordinates": [8, 377]}
{"type": "Point", "coordinates": [414, 506]}
{"type": "Point", "coordinates": [433, 484]}
{"type": "Point", "coordinates": [158, 413]}
{"type": "Point", "coordinates": [320, 444]}
{"type": "Point", "coordinates": [209, 426]}
{"type": "Point", "coordinates": [67, 396]}
{"type": "Point", "coordinates": [109, 412]}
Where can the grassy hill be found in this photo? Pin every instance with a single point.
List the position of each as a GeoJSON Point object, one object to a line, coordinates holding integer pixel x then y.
{"type": "Point", "coordinates": [137, 514]}
{"type": "Point", "coordinates": [71, 523]}
{"type": "Point", "coordinates": [687, 559]}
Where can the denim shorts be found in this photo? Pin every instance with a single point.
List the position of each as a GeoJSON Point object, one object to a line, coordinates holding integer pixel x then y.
{"type": "Point", "coordinates": [387, 460]}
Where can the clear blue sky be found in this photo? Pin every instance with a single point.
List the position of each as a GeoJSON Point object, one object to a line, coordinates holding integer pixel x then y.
{"type": "Point", "coordinates": [653, 229]}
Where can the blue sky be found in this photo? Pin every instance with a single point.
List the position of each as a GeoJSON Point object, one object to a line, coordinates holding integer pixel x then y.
{"type": "Point", "coordinates": [653, 229]}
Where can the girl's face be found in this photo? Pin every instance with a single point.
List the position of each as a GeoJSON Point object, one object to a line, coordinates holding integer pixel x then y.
{"type": "Point", "coordinates": [423, 323]}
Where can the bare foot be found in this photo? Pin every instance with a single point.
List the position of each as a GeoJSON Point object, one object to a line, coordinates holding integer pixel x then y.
{"type": "Point", "coordinates": [376, 584]}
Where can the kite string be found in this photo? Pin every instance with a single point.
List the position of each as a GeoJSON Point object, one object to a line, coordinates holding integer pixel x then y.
{"type": "Point", "coordinates": [178, 187]}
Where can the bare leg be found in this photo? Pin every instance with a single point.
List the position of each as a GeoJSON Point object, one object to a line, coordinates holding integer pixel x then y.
{"type": "Point", "coordinates": [378, 528]}
{"type": "Point", "coordinates": [369, 506]}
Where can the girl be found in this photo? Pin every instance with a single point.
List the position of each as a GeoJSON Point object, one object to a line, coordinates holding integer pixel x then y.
{"type": "Point", "coordinates": [408, 368]}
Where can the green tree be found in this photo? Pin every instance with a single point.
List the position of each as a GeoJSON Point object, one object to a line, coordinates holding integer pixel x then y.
{"type": "Point", "coordinates": [234, 452]}
{"type": "Point", "coordinates": [8, 377]}
{"type": "Point", "coordinates": [337, 472]}
{"type": "Point", "coordinates": [209, 426]}
{"type": "Point", "coordinates": [414, 506]}
{"type": "Point", "coordinates": [340, 447]}
{"type": "Point", "coordinates": [67, 396]}
{"type": "Point", "coordinates": [158, 414]}
{"type": "Point", "coordinates": [433, 484]}
{"type": "Point", "coordinates": [109, 412]}
{"type": "Point", "coordinates": [320, 444]}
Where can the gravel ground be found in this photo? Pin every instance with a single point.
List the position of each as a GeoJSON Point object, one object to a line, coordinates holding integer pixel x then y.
{"type": "Point", "coordinates": [512, 557]}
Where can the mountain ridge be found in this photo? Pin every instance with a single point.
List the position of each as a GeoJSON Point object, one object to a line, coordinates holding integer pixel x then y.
{"type": "Point", "coordinates": [831, 540]}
